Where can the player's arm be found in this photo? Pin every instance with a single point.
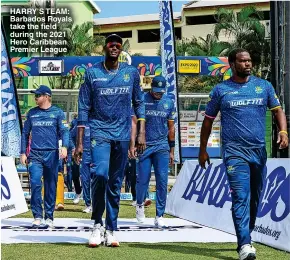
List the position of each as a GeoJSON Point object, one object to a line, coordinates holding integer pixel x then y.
{"type": "Point", "coordinates": [171, 133]}
{"type": "Point", "coordinates": [275, 107]}
{"type": "Point", "coordinates": [84, 106]}
{"type": "Point", "coordinates": [64, 135]}
{"type": "Point", "coordinates": [211, 112]}
{"type": "Point", "coordinates": [25, 139]}
{"type": "Point", "coordinates": [171, 139]}
{"type": "Point", "coordinates": [132, 149]}
{"type": "Point", "coordinates": [139, 109]}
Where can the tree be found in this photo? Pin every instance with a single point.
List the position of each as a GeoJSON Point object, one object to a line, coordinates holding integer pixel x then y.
{"type": "Point", "coordinates": [247, 32]}
{"type": "Point", "coordinates": [80, 42]}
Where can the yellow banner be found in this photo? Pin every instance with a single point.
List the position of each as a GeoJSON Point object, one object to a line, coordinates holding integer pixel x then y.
{"type": "Point", "coordinates": [189, 66]}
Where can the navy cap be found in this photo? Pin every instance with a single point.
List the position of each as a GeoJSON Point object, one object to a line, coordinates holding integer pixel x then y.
{"type": "Point", "coordinates": [114, 38]}
{"type": "Point", "coordinates": [159, 84]}
{"type": "Point", "coordinates": [42, 90]}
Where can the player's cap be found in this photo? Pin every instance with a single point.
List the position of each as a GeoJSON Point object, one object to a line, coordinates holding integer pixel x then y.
{"type": "Point", "coordinates": [114, 38]}
{"type": "Point", "coordinates": [158, 84]}
{"type": "Point", "coordinates": [42, 90]}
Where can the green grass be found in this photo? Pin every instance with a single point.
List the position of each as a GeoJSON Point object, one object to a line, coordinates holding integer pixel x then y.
{"type": "Point", "coordinates": [128, 251]}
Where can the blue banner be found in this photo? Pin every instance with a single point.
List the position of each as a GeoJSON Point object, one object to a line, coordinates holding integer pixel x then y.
{"type": "Point", "coordinates": [168, 59]}
{"type": "Point", "coordinates": [10, 124]}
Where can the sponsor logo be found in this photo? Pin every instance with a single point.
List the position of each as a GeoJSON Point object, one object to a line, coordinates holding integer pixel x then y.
{"type": "Point", "coordinates": [114, 91]}
{"type": "Point", "coordinates": [50, 66]}
{"type": "Point", "coordinates": [246, 102]}
{"type": "Point", "coordinates": [42, 123]}
{"type": "Point", "coordinates": [233, 92]}
{"type": "Point", "coordinates": [100, 79]}
{"type": "Point", "coordinates": [156, 113]}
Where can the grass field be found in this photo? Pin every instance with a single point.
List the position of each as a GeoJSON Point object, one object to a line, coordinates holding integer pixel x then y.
{"type": "Point", "coordinates": [129, 251]}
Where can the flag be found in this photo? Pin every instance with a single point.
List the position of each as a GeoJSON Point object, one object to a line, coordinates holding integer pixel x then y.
{"type": "Point", "coordinates": [10, 114]}
{"type": "Point", "coordinates": [168, 60]}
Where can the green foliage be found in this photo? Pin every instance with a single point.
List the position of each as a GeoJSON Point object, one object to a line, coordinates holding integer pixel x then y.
{"type": "Point", "coordinates": [247, 31]}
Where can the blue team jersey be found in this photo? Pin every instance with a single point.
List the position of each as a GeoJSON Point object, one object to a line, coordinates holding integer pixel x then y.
{"type": "Point", "coordinates": [158, 112]}
{"type": "Point", "coordinates": [105, 101]}
{"type": "Point", "coordinates": [243, 111]}
{"type": "Point", "coordinates": [46, 127]}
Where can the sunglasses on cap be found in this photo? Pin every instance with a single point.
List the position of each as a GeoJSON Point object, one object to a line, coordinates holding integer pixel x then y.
{"type": "Point", "coordinates": [113, 44]}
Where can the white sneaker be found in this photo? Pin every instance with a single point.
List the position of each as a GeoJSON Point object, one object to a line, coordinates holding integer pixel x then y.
{"type": "Point", "coordinates": [88, 209]}
{"type": "Point", "coordinates": [247, 252]}
{"type": "Point", "coordinates": [140, 215]}
{"type": "Point", "coordinates": [134, 203]}
{"type": "Point", "coordinates": [111, 239]}
{"type": "Point", "coordinates": [97, 236]}
{"type": "Point", "coordinates": [159, 222]}
{"type": "Point", "coordinates": [36, 222]}
{"type": "Point", "coordinates": [48, 223]}
{"type": "Point", "coordinates": [77, 199]}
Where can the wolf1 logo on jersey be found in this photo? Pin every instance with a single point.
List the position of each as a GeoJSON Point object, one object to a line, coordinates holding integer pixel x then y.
{"type": "Point", "coordinates": [126, 77]}
{"type": "Point", "coordinates": [258, 90]}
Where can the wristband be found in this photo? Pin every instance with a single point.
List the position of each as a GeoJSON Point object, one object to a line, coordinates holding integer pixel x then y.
{"type": "Point", "coordinates": [283, 131]}
{"type": "Point", "coordinates": [171, 144]}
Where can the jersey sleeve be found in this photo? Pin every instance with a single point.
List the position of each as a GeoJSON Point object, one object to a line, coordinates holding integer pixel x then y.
{"type": "Point", "coordinates": [213, 105]}
{"type": "Point", "coordinates": [85, 100]}
{"type": "Point", "coordinates": [25, 134]}
{"type": "Point", "coordinates": [63, 129]}
{"type": "Point", "coordinates": [138, 97]}
{"type": "Point", "coordinates": [273, 101]}
{"type": "Point", "coordinates": [172, 113]}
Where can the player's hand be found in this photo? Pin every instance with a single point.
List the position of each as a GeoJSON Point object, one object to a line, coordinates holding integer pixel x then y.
{"type": "Point", "coordinates": [203, 158]}
{"type": "Point", "coordinates": [141, 143]}
{"type": "Point", "coordinates": [132, 153]}
{"type": "Point", "coordinates": [78, 154]}
{"type": "Point", "coordinates": [23, 159]}
{"type": "Point", "coordinates": [282, 140]}
{"type": "Point", "coordinates": [63, 152]}
{"type": "Point", "coordinates": [171, 157]}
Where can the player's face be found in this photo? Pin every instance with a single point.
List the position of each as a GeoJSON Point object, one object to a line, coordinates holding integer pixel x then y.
{"type": "Point", "coordinates": [113, 49]}
{"type": "Point", "coordinates": [243, 65]}
{"type": "Point", "coordinates": [40, 99]}
{"type": "Point", "coordinates": [157, 95]}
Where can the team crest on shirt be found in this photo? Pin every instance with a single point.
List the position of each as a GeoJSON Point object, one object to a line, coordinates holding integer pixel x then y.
{"type": "Point", "coordinates": [126, 78]}
{"type": "Point", "coordinates": [230, 168]}
{"type": "Point", "coordinates": [51, 116]}
{"type": "Point", "coordinates": [166, 106]}
{"type": "Point", "coordinates": [93, 143]}
{"type": "Point", "coordinates": [258, 90]}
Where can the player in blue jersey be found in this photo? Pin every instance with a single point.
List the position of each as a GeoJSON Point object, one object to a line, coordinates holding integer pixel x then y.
{"type": "Point", "coordinates": [242, 101]}
{"type": "Point", "coordinates": [46, 125]}
{"type": "Point", "coordinates": [105, 99]}
{"type": "Point", "coordinates": [160, 141]}
{"type": "Point", "coordinates": [84, 168]}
